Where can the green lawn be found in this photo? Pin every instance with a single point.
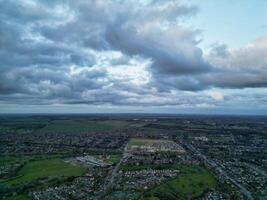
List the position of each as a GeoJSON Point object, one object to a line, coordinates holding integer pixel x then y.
{"type": "Point", "coordinates": [34, 170]}
{"type": "Point", "coordinates": [192, 183]}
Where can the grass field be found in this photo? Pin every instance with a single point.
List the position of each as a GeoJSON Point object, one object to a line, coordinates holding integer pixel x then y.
{"type": "Point", "coordinates": [192, 183]}
{"type": "Point", "coordinates": [69, 126]}
{"type": "Point", "coordinates": [20, 159]}
{"type": "Point", "coordinates": [35, 170]}
{"type": "Point", "coordinates": [21, 125]}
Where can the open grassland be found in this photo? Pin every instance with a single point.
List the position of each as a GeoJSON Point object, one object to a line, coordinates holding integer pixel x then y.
{"type": "Point", "coordinates": [35, 170]}
{"type": "Point", "coordinates": [21, 126]}
{"type": "Point", "coordinates": [70, 126]}
{"type": "Point", "coordinates": [21, 159]}
{"type": "Point", "coordinates": [25, 125]}
{"type": "Point", "coordinates": [192, 183]}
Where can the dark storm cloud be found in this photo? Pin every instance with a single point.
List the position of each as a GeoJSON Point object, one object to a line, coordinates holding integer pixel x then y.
{"type": "Point", "coordinates": [165, 60]}
{"type": "Point", "coordinates": [62, 51]}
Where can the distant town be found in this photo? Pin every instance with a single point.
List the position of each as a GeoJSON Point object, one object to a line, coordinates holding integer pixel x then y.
{"type": "Point", "coordinates": [133, 157]}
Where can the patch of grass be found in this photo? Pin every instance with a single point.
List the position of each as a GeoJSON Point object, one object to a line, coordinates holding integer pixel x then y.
{"type": "Point", "coordinates": [192, 183]}
{"type": "Point", "coordinates": [35, 170]}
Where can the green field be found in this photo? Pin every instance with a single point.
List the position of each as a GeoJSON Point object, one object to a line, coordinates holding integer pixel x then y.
{"type": "Point", "coordinates": [70, 126]}
{"type": "Point", "coordinates": [192, 183]}
{"type": "Point", "coordinates": [35, 170]}
{"type": "Point", "coordinates": [21, 125]}
{"type": "Point", "coordinates": [60, 126]}
{"type": "Point", "coordinates": [20, 159]}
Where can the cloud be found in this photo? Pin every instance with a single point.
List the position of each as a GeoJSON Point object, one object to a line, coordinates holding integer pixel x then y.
{"type": "Point", "coordinates": [215, 95]}
{"type": "Point", "coordinates": [245, 67]}
{"type": "Point", "coordinates": [116, 52]}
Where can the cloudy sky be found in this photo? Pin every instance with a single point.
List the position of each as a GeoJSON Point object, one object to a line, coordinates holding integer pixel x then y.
{"type": "Point", "coordinates": [153, 56]}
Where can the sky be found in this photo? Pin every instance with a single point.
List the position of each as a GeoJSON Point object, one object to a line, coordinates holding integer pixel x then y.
{"type": "Point", "coordinates": [134, 56]}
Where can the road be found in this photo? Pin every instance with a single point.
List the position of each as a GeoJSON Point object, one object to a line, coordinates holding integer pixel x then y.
{"type": "Point", "coordinates": [110, 183]}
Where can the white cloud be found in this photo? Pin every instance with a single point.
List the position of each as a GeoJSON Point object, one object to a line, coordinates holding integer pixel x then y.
{"type": "Point", "coordinates": [217, 96]}
{"type": "Point", "coordinates": [115, 53]}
